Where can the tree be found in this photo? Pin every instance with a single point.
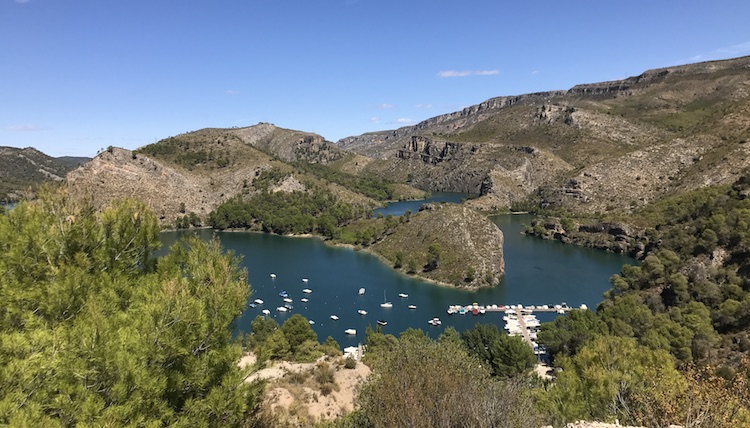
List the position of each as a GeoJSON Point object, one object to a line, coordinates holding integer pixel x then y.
{"type": "Point", "coordinates": [433, 257]}
{"type": "Point", "coordinates": [94, 331]}
{"type": "Point", "coordinates": [426, 383]}
{"type": "Point", "coordinates": [507, 356]}
{"type": "Point", "coordinates": [568, 333]}
{"type": "Point", "coordinates": [297, 331]}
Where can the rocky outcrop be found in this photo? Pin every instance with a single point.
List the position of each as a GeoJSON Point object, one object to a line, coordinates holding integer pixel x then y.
{"type": "Point", "coordinates": [470, 246]}
{"type": "Point", "coordinates": [22, 170]}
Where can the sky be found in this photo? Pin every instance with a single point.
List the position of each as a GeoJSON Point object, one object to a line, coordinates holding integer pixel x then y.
{"type": "Point", "coordinates": [77, 76]}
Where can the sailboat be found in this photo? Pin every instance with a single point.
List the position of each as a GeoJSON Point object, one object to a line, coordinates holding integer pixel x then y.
{"type": "Point", "coordinates": [386, 303]}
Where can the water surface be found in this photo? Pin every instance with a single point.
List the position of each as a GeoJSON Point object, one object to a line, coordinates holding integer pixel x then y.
{"type": "Point", "coordinates": [537, 272]}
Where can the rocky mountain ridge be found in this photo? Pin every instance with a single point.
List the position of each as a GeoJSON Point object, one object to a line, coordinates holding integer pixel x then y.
{"type": "Point", "coordinates": [595, 148]}
{"type": "Point", "coordinates": [22, 170]}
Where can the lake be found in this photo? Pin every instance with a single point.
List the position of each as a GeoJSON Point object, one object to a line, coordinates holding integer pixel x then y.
{"type": "Point", "coordinates": [537, 272]}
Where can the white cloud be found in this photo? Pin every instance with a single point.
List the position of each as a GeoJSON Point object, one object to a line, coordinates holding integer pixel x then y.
{"type": "Point", "coordinates": [25, 128]}
{"type": "Point", "coordinates": [405, 120]}
{"type": "Point", "coordinates": [375, 119]}
{"type": "Point", "coordinates": [465, 73]}
{"type": "Point", "coordinates": [385, 106]}
{"type": "Point", "coordinates": [737, 49]}
{"type": "Point", "coordinates": [423, 106]}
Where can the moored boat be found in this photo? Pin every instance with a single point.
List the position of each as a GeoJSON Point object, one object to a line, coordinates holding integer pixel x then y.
{"type": "Point", "coordinates": [350, 331]}
{"type": "Point", "coordinates": [382, 322]}
{"type": "Point", "coordinates": [334, 317]}
{"type": "Point", "coordinates": [412, 306]}
{"type": "Point", "coordinates": [403, 295]}
{"type": "Point", "coordinates": [362, 312]}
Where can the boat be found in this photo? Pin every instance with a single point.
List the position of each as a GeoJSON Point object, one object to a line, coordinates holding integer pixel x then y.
{"type": "Point", "coordinates": [288, 306]}
{"type": "Point", "coordinates": [362, 312]}
{"type": "Point", "coordinates": [253, 305]}
{"type": "Point", "coordinates": [403, 295]}
{"type": "Point", "coordinates": [311, 322]}
{"type": "Point", "coordinates": [304, 300]}
{"type": "Point", "coordinates": [282, 309]}
{"type": "Point", "coordinates": [435, 321]}
{"type": "Point", "coordinates": [475, 311]}
{"type": "Point", "coordinates": [382, 322]}
{"type": "Point", "coordinates": [258, 302]}
{"type": "Point", "coordinates": [462, 310]}
{"type": "Point", "coordinates": [334, 317]}
{"type": "Point", "coordinates": [304, 279]}
{"type": "Point", "coordinates": [273, 275]}
{"type": "Point", "coordinates": [266, 312]}
{"type": "Point", "coordinates": [386, 303]}
{"type": "Point", "coordinates": [350, 331]}
{"type": "Point", "coordinates": [288, 300]}
{"type": "Point", "coordinates": [361, 291]}
{"type": "Point", "coordinates": [412, 306]}
{"type": "Point", "coordinates": [306, 290]}
{"type": "Point", "coordinates": [284, 294]}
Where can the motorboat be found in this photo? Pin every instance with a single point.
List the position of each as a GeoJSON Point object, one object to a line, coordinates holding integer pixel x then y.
{"type": "Point", "coordinates": [361, 291]}
{"type": "Point", "coordinates": [334, 317]}
{"type": "Point", "coordinates": [362, 312]}
{"type": "Point", "coordinates": [284, 293]}
{"type": "Point", "coordinates": [282, 309]}
{"type": "Point", "coordinates": [382, 322]}
{"type": "Point", "coordinates": [311, 322]}
{"type": "Point", "coordinates": [304, 280]}
{"type": "Point", "coordinates": [288, 300]}
{"type": "Point", "coordinates": [304, 300]}
{"type": "Point", "coordinates": [412, 306]}
{"type": "Point", "coordinates": [288, 306]}
{"type": "Point", "coordinates": [258, 302]}
{"type": "Point", "coordinates": [435, 321]}
{"type": "Point", "coordinates": [266, 312]}
{"type": "Point", "coordinates": [306, 290]}
{"type": "Point", "coordinates": [253, 305]}
{"type": "Point", "coordinates": [403, 295]}
{"type": "Point", "coordinates": [273, 276]}
{"type": "Point", "coordinates": [350, 331]}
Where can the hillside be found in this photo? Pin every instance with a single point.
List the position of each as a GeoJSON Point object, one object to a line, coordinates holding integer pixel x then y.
{"type": "Point", "coordinates": [22, 170]}
{"type": "Point", "coordinates": [197, 171]}
{"type": "Point", "coordinates": [595, 148]}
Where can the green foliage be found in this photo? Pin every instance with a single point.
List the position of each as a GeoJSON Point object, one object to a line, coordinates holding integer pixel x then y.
{"type": "Point", "coordinates": [94, 332]}
{"type": "Point", "coordinates": [421, 382]}
{"type": "Point", "coordinates": [506, 356]}
{"type": "Point", "coordinates": [298, 331]}
{"type": "Point", "coordinates": [286, 212]}
{"type": "Point", "coordinates": [567, 334]}
{"type": "Point", "coordinates": [605, 378]}
{"type": "Point", "coordinates": [374, 187]}
{"type": "Point", "coordinates": [188, 154]}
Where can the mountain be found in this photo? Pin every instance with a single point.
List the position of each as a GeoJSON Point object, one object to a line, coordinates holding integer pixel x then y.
{"type": "Point", "coordinates": [595, 148]}
{"type": "Point", "coordinates": [196, 171]}
{"type": "Point", "coordinates": [22, 170]}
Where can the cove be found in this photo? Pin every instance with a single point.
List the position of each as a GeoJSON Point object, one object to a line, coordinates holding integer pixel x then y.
{"type": "Point", "coordinates": [537, 272]}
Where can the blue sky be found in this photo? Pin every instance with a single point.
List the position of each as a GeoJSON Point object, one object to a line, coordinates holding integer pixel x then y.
{"type": "Point", "coordinates": [80, 75]}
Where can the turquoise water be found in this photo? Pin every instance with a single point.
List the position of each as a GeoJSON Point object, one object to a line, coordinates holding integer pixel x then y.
{"type": "Point", "coordinates": [537, 272]}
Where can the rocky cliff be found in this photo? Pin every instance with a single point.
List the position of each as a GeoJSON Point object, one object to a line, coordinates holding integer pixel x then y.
{"type": "Point", "coordinates": [595, 148]}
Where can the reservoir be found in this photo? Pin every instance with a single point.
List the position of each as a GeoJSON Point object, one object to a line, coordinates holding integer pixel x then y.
{"type": "Point", "coordinates": [537, 272]}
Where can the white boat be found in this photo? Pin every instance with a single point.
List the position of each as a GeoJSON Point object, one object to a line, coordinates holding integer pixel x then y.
{"type": "Point", "coordinates": [435, 321]}
{"type": "Point", "coordinates": [304, 279]}
{"type": "Point", "coordinates": [386, 303]}
{"type": "Point", "coordinates": [273, 275]}
{"type": "Point", "coordinates": [362, 312]}
{"type": "Point", "coordinates": [311, 322]}
{"type": "Point", "coordinates": [334, 317]}
{"type": "Point", "coordinates": [403, 295]}
{"type": "Point", "coordinates": [266, 312]}
{"type": "Point", "coordinates": [304, 300]}
{"type": "Point", "coordinates": [288, 300]}
{"type": "Point", "coordinates": [412, 306]}
{"type": "Point", "coordinates": [282, 309]}
{"type": "Point", "coordinates": [306, 290]}
{"type": "Point", "coordinates": [382, 322]}
{"type": "Point", "coordinates": [361, 291]}
{"type": "Point", "coordinates": [258, 301]}
{"type": "Point", "coordinates": [350, 331]}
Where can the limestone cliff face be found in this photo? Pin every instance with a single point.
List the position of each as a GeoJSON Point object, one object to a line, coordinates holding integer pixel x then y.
{"type": "Point", "coordinates": [119, 173]}
{"type": "Point", "coordinates": [470, 246]}
{"type": "Point", "coordinates": [595, 148]}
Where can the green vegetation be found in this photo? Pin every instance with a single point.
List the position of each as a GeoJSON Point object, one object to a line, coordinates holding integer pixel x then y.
{"type": "Point", "coordinates": [95, 331]}
{"type": "Point", "coordinates": [188, 154]}
{"type": "Point", "coordinates": [374, 187]}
